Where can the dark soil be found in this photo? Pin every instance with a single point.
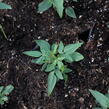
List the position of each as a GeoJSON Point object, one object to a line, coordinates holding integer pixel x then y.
{"type": "Point", "coordinates": [23, 24]}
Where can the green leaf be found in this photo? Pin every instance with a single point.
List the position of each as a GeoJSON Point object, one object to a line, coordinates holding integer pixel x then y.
{"type": "Point", "coordinates": [54, 48]}
{"type": "Point", "coordinates": [8, 89]}
{"type": "Point", "coordinates": [51, 82]}
{"type": "Point", "coordinates": [65, 76]}
{"type": "Point", "coordinates": [61, 65]}
{"type": "Point", "coordinates": [69, 49]}
{"type": "Point", "coordinates": [68, 58]}
{"type": "Point", "coordinates": [108, 91]}
{"type": "Point", "coordinates": [70, 12]}
{"type": "Point", "coordinates": [44, 5]}
{"type": "Point", "coordinates": [96, 108]}
{"type": "Point", "coordinates": [33, 53]}
{"type": "Point", "coordinates": [4, 98]}
{"type": "Point", "coordinates": [100, 98]}
{"type": "Point", "coordinates": [60, 58]}
{"type": "Point", "coordinates": [61, 47]}
{"type": "Point", "coordinates": [77, 56]}
{"type": "Point", "coordinates": [67, 70]}
{"type": "Point", "coordinates": [4, 6]}
{"type": "Point", "coordinates": [1, 88]}
{"type": "Point", "coordinates": [59, 74]}
{"type": "Point", "coordinates": [44, 46]}
{"type": "Point", "coordinates": [1, 102]}
{"type": "Point", "coordinates": [50, 67]}
{"type": "Point", "coordinates": [75, 0]}
{"type": "Point", "coordinates": [39, 60]}
{"type": "Point", "coordinates": [43, 67]}
{"type": "Point", "coordinates": [58, 4]}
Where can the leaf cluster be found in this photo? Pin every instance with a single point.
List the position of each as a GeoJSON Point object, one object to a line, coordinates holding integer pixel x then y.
{"type": "Point", "coordinates": [58, 5]}
{"type": "Point", "coordinates": [52, 59]}
{"type": "Point", "coordinates": [101, 99]}
{"type": "Point", "coordinates": [4, 91]}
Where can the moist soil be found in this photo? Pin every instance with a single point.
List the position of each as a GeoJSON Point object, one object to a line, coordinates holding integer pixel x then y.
{"type": "Point", "coordinates": [23, 25]}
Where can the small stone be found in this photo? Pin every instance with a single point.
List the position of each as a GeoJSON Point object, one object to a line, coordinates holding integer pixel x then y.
{"type": "Point", "coordinates": [81, 100]}
{"type": "Point", "coordinates": [66, 95]}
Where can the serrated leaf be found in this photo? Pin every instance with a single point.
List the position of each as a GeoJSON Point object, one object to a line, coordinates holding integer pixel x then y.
{"type": "Point", "coordinates": [33, 53]}
{"type": "Point", "coordinates": [58, 4]}
{"type": "Point", "coordinates": [4, 6]}
{"type": "Point", "coordinates": [50, 67]}
{"type": "Point", "coordinates": [44, 5]}
{"type": "Point", "coordinates": [70, 12]}
{"type": "Point", "coordinates": [39, 60]}
{"type": "Point", "coordinates": [59, 74]}
{"type": "Point", "coordinates": [51, 82]}
{"type": "Point", "coordinates": [44, 46]}
{"type": "Point", "coordinates": [61, 47]}
{"type": "Point", "coordinates": [69, 49]}
{"type": "Point", "coordinates": [100, 98]}
{"type": "Point", "coordinates": [8, 89]}
{"type": "Point", "coordinates": [77, 56]}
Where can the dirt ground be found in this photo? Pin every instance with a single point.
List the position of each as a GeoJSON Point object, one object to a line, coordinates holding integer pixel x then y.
{"type": "Point", "coordinates": [23, 25]}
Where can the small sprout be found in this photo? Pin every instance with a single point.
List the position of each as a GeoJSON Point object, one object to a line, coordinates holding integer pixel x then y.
{"type": "Point", "coordinates": [4, 92]}
{"type": "Point", "coordinates": [58, 5]}
{"type": "Point", "coordinates": [70, 12]}
{"type": "Point", "coordinates": [52, 59]}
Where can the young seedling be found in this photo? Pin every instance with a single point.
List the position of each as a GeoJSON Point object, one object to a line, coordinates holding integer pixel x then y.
{"type": "Point", "coordinates": [4, 6]}
{"type": "Point", "coordinates": [58, 5]}
{"type": "Point", "coordinates": [52, 59]}
{"type": "Point", "coordinates": [101, 99]}
{"type": "Point", "coordinates": [4, 92]}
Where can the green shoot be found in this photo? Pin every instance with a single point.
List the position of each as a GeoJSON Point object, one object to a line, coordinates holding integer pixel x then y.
{"type": "Point", "coordinates": [4, 92]}
{"type": "Point", "coordinates": [58, 5]}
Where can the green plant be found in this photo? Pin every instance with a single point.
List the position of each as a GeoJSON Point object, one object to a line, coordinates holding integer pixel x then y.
{"type": "Point", "coordinates": [101, 99]}
{"type": "Point", "coordinates": [58, 5]}
{"type": "Point", "coordinates": [53, 59]}
{"type": "Point", "coordinates": [4, 91]}
{"type": "Point", "coordinates": [4, 6]}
